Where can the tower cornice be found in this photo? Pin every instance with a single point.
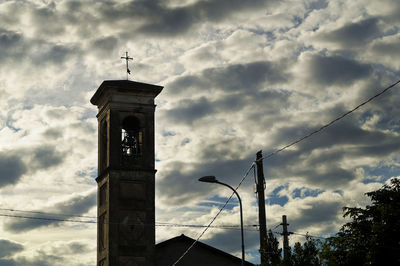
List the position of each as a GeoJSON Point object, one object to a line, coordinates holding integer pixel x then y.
{"type": "Point", "coordinates": [126, 88]}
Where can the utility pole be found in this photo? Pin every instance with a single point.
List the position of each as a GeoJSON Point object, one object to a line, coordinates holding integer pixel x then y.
{"type": "Point", "coordinates": [261, 206]}
{"type": "Point", "coordinates": [286, 248]}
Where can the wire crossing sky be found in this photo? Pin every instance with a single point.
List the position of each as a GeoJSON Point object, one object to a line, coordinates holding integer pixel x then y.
{"type": "Point", "coordinates": [238, 76]}
{"type": "Point", "coordinates": [276, 152]}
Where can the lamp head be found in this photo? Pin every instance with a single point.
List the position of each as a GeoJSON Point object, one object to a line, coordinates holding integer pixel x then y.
{"type": "Point", "coordinates": [208, 179]}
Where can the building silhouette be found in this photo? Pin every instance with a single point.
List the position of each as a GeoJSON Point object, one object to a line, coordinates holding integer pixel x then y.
{"type": "Point", "coordinates": [126, 191]}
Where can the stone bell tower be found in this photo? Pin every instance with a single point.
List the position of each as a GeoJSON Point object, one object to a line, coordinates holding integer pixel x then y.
{"type": "Point", "coordinates": [126, 192]}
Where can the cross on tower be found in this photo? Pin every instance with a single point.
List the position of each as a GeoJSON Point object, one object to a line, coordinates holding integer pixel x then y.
{"type": "Point", "coordinates": [127, 58]}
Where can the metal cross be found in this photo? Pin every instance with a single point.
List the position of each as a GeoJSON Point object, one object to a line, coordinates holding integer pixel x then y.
{"type": "Point", "coordinates": [127, 58]}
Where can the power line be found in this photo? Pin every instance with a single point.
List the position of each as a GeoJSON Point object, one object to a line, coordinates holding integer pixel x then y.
{"type": "Point", "coordinates": [161, 224]}
{"type": "Point", "coordinates": [284, 148]}
{"type": "Point", "coordinates": [215, 217]}
{"type": "Point", "coordinates": [49, 213]}
{"type": "Point", "coordinates": [294, 233]}
{"type": "Point", "coordinates": [94, 217]}
{"type": "Point", "coordinates": [330, 123]}
{"type": "Point", "coordinates": [241, 181]}
{"type": "Point", "coordinates": [47, 219]}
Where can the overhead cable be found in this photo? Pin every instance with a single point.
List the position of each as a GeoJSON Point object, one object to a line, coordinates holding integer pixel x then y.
{"type": "Point", "coordinates": [330, 123]}
{"type": "Point", "coordinates": [215, 217]}
{"type": "Point", "coordinates": [160, 224]}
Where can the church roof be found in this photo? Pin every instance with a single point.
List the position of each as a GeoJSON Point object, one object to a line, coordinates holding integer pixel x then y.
{"type": "Point", "coordinates": [125, 86]}
{"type": "Point", "coordinates": [184, 242]}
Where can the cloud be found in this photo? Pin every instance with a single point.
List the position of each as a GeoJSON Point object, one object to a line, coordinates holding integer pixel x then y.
{"type": "Point", "coordinates": [318, 212]}
{"type": "Point", "coordinates": [239, 76]}
{"type": "Point", "coordinates": [179, 186]}
{"type": "Point", "coordinates": [40, 260]}
{"type": "Point", "coordinates": [354, 35]}
{"type": "Point", "coordinates": [188, 111]}
{"type": "Point", "coordinates": [76, 205]}
{"type": "Point", "coordinates": [247, 77]}
{"type": "Point", "coordinates": [10, 41]}
{"type": "Point", "coordinates": [336, 70]}
{"type": "Point", "coordinates": [160, 20]}
{"type": "Point", "coordinates": [44, 157]}
{"type": "Point", "coordinates": [8, 248]}
{"type": "Point", "coordinates": [105, 45]}
{"type": "Point", "coordinates": [12, 168]}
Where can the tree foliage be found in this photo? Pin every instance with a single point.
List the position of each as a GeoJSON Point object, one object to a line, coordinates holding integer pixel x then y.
{"type": "Point", "coordinates": [373, 235]}
{"type": "Point", "coordinates": [272, 252]}
{"type": "Point", "coordinates": [300, 255]}
{"type": "Point", "coordinates": [306, 254]}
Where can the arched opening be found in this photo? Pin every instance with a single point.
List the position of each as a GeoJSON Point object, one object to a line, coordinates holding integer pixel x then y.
{"type": "Point", "coordinates": [131, 137]}
{"type": "Point", "coordinates": [103, 145]}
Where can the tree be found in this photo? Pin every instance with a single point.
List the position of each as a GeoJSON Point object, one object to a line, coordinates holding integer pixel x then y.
{"type": "Point", "coordinates": [306, 254]}
{"type": "Point", "coordinates": [373, 235]}
{"type": "Point", "coordinates": [272, 252]}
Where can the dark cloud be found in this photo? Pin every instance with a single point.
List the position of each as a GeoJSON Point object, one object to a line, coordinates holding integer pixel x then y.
{"type": "Point", "coordinates": [150, 17]}
{"type": "Point", "coordinates": [337, 70]}
{"type": "Point", "coordinates": [9, 39]}
{"type": "Point", "coordinates": [47, 21]}
{"type": "Point", "coordinates": [11, 44]}
{"type": "Point", "coordinates": [318, 159]}
{"type": "Point", "coordinates": [232, 78]}
{"type": "Point", "coordinates": [160, 20]}
{"type": "Point", "coordinates": [76, 248]}
{"type": "Point", "coordinates": [354, 34]}
{"type": "Point", "coordinates": [40, 260]}
{"type": "Point", "coordinates": [57, 54]}
{"type": "Point", "coordinates": [319, 4]}
{"type": "Point", "coordinates": [8, 248]}
{"type": "Point", "coordinates": [77, 205]}
{"type": "Point", "coordinates": [387, 48]}
{"type": "Point", "coordinates": [53, 133]}
{"type": "Point", "coordinates": [189, 111]}
{"type": "Point", "coordinates": [319, 212]}
{"type": "Point", "coordinates": [105, 45]}
{"type": "Point", "coordinates": [72, 248]}
{"type": "Point", "coordinates": [11, 169]}
{"type": "Point", "coordinates": [180, 187]}
{"type": "Point", "coordinates": [244, 77]}
{"type": "Point", "coordinates": [44, 157]}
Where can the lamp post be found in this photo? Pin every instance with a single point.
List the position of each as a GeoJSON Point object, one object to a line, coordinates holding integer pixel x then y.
{"type": "Point", "coordinates": [213, 179]}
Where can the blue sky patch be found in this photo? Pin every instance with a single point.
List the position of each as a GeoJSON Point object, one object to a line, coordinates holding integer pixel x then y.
{"type": "Point", "coordinates": [168, 133]}
{"type": "Point", "coordinates": [380, 174]}
{"type": "Point", "coordinates": [306, 192]}
{"type": "Point", "coordinates": [220, 201]}
{"type": "Point", "coordinates": [274, 197]}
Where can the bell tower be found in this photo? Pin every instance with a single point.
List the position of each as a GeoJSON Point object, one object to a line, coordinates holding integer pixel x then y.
{"type": "Point", "coordinates": [126, 174]}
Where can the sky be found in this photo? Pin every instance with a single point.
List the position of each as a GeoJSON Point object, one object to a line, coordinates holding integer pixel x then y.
{"type": "Point", "coordinates": [239, 76]}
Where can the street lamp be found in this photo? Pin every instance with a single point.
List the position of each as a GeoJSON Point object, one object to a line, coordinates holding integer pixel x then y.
{"type": "Point", "coordinates": [213, 179]}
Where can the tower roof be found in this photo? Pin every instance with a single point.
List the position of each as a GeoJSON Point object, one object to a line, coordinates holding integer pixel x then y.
{"type": "Point", "coordinates": [125, 87]}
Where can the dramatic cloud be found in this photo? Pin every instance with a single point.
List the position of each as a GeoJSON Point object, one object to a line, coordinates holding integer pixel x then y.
{"type": "Point", "coordinates": [240, 76]}
{"type": "Point", "coordinates": [75, 206]}
{"type": "Point", "coordinates": [12, 168]}
{"type": "Point", "coordinates": [330, 70]}
{"type": "Point", "coordinates": [353, 35]}
{"type": "Point", "coordinates": [8, 248]}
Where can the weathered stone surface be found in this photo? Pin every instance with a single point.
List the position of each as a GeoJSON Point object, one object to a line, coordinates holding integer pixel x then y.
{"type": "Point", "coordinates": [130, 190]}
{"type": "Point", "coordinates": [125, 182]}
{"type": "Point", "coordinates": [132, 261]}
